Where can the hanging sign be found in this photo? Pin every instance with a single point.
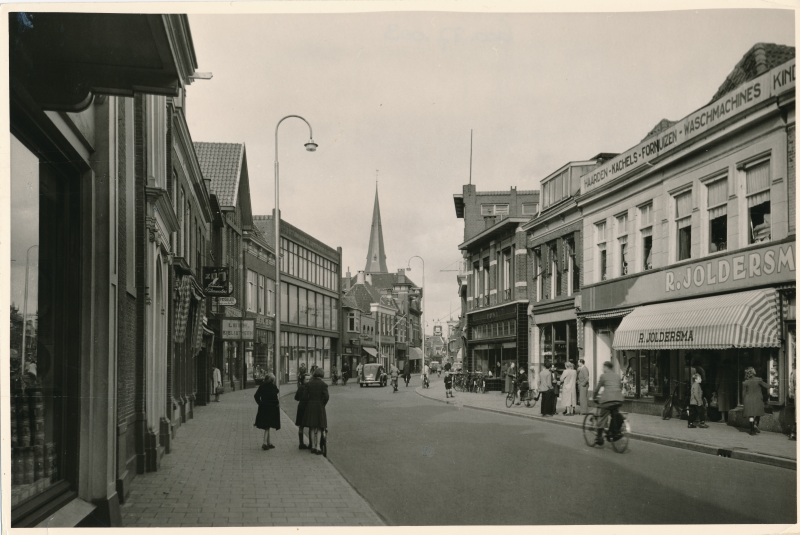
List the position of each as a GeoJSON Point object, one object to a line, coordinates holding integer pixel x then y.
{"type": "Point", "coordinates": [227, 301]}
{"type": "Point", "coordinates": [216, 281]}
{"type": "Point", "coordinates": [237, 329]}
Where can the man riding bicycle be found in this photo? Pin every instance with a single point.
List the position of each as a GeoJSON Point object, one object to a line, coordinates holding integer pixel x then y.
{"type": "Point", "coordinates": [609, 402]}
{"type": "Point", "coordinates": [425, 372]}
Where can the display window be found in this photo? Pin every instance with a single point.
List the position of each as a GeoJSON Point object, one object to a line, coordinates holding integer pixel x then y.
{"type": "Point", "coordinates": [43, 337]}
{"type": "Point", "coordinates": [791, 353]}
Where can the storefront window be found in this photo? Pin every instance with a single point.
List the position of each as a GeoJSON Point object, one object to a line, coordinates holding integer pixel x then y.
{"type": "Point", "coordinates": [317, 350]}
{"type": "Point", "coordinates": [326, 354]}
{"type": "Point", "coordinates": [546, 349]}
{"type": "Point", "coordinates": [560, 344]}
{"type": "Point", "coordinates": [791, 348]}
{"type": "Point", "coordinates": [284, 302]}
{"type": "Point", "coordinates": [303, 306]}
{"type": "Point", "coordinates": [42, 238]}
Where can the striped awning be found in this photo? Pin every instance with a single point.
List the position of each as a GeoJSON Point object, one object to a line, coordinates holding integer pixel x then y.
{"type": "Point", "coordinates": [619, 313]}
{"type": "Point", "coordinates": [414, 353]}
{"type": "Point", "coordinates": [744, 319]}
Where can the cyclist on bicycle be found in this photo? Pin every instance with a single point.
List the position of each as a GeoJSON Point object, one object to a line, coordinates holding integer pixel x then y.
{"type": "Point", "coordinates": [425, 373]}
{"type": "Point", "coordinates": [524, 386]}
{"type": "Point", "coordinates": [395, 374]}
{"type": "Point", "coordinates": [609, 402]}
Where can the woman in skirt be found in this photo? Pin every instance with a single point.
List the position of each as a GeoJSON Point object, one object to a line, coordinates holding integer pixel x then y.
{"type": "Point", "coordinates": [314, 417]}
{"type": "Point", "coordinates": [269, 414]}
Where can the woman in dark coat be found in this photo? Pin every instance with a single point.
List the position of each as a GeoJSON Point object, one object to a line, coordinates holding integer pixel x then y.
{"type": "Point", "coordinates": [726, 389]}
{"type": "Point", "coordinates": [753, 399]}
{"type": "Point", "coordinates": [269, 414]}
{"type": "Point", "coordinates": [314, 417]}
{"type": "Point", "coordinates": [300, 396]}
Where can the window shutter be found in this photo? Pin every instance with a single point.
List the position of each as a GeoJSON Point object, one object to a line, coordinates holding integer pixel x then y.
{"type": "Point", "coordinates": [757, 177]}
{"type": "Point", "coordinates": [683, 205]}
{"type": "Point", "coordinates": [718, 192]}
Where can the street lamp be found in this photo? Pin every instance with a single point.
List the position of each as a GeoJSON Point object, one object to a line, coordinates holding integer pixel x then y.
{"type": "Point", "coordinates": [408, 268]}
{"type": "Point", "coordinates": [310, 147]}
{"type": "Point", "coordinates": [25, 316]}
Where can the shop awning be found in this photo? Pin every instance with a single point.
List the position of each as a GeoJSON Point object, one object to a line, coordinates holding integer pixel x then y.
{"type": "Point", "coordinates": [619, 313]}
{"type": "Point", "coordinates": [744, 319]}
{"type": "Point", "coordinates": [414, 353]}
{"type": "Point", "coordinates": [370, 351]}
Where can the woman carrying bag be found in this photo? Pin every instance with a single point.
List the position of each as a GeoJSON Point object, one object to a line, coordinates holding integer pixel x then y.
{"type": "Point", "coordinates": [269, 414]}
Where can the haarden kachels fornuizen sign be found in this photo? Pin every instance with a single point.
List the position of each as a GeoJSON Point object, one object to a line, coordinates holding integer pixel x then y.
{"type": "Point", "coordinates": [216, 282]}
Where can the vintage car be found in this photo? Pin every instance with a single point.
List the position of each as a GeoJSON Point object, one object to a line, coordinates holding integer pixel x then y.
{"type": "Point", "coordinates": [373, 374]}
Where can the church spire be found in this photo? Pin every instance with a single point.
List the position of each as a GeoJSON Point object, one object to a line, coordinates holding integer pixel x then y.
{"type": "Point", "coordinates": [376, 256]}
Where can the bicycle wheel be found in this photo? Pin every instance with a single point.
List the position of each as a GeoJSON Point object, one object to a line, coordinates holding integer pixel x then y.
{"type": "Point", "coordinates": [510, 398]}
{"type": "Point", "coordinates": [666, 413]}
{"type": "Point", "coordinates": [533, 398]}
{"type": "Point", "coordinates": [590, 429]}
{"type": "Point", "coordinates": [621, 444]}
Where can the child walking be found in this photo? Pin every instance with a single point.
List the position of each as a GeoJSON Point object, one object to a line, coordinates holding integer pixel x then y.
{"type": "Point", "coordinates": [696, 403]}
{"type": "Point", "coordinates": [448, 381]}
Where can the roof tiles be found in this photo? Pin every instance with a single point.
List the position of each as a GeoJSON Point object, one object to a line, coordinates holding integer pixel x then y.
{"type": "Point", "coordinates": [222, 164]}
{"type": "Point", "coordinates": [759, 59]}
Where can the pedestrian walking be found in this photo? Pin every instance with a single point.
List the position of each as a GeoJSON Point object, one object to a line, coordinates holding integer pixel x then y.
{"type": "Point", "coordinates": [568, 380]}
{"type": "Point", "coordinates": [753, 399]}
{"type": "Point", "coordinates": [359, 370]}
{"type": "Point", "coordinates": [726, 389]}
{"type": "Point", "coordinates": [407, 372]}
{"type": "Point", "coordinates": [583, 386]}
{"type": "Point", "coordinates": [503, 373]}
{"type": "Point", "coordinates": [546, 391]}
{"type": "Point", "coordinates": [696, 402]}
{"type": "Point", "coordinates": [269, 415]}
{"type": "Point", "coordinates": [302, 399]}
{"type": "Point", "coordinates": [216, 382]}
{"type": "Point", "coordinates": [448, 381]}
{"type": "Point", "coordinates": [315, 417]}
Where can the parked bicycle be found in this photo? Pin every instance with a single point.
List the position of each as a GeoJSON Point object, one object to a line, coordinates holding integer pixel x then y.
{"type": "Point", "coordinates": [529, 396]}
{"type": "Point", "coordinates": [674, 402]}
{"type": "Point", "coordinates": [590, 424]}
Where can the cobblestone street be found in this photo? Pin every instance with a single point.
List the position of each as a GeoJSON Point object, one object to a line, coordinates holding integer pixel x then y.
{"type": "Point", "coordinates": [218, 475]}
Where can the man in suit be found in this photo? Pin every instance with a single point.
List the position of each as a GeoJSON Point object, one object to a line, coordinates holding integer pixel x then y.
{"type": "Point", "coordinates": [610, 401]}
{"type": "Point", "coordinates": [583, 386]}
{"type": "Point", "coordinates": [546, 391]}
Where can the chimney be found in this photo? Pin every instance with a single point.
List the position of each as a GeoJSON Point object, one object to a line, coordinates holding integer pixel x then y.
{"type": "Point", "coordinates": [401, 276]}
{"type": "Point", "coordinates": [368, 278]}
{"type": "Point", "coordinates": [347, 281]}
{"type": "Point", "coordinates": [360, 277]}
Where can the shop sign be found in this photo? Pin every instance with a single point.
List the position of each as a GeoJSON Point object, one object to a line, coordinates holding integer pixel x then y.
{"type": "Point", "coordinates": [226, 301]}
{"type": "Point", "coordinates": [216, 282]}
{"type": "Point", "coordinates": [739, 270]}
{"type": "Point", "coordinates": [752, 268]}
{"type": "Point", "coordinates": [666, 336]}
{"type": "Point", "coordinates": [506, 312]}
{"type": "Point", "coordinates": [233, 312]}
{"type": "Point", "coordinates": [779, 80]}
{"type": "Point", "coordinates": [265, 322]}
{"type": "Point", "coordinates": [238, 329]}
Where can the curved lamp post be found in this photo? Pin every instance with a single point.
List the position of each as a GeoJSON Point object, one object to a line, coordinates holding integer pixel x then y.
{"type": "Point", "coordinates": [25, 316]}
{"type": "Point", "coordinates": [408, 268]}
{"type": "Point", "coordinates": [310, 147]}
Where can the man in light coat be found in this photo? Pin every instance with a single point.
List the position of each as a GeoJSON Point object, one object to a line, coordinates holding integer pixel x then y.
{"type": "Point", "coordinates": [216, 382]}
{"type": "Point", "coordinates": [583, 386]}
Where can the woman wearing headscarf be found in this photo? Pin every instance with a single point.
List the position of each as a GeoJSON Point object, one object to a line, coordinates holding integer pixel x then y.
{"type": "Point", "coordinates": [269, 415]}
{"type": "Point", "coordinates": [315, 417]}
{"type": "Point", "coordinates": [753, 398]}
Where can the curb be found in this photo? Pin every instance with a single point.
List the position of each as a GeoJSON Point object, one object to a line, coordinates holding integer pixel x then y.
{"type": "Point", "coordinates": [378, 516]}
{"type": "Point", "coordinates": [780, 462]}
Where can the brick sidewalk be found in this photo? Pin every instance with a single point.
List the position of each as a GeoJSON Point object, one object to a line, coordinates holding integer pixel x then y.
{"type": "Point", "coordinates": [218, 475]}
{"type": "Point", "coordinates": [767, 448]}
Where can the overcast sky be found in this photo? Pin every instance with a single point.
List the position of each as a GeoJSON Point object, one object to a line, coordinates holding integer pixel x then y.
{"type": "Point", "coordinates": [399, 93]}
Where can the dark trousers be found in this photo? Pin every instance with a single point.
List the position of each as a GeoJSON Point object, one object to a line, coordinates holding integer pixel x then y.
{"type": "Point", "coordinates": [548, 402]}
{"type": "Point", "coordinates": [696, 411]}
